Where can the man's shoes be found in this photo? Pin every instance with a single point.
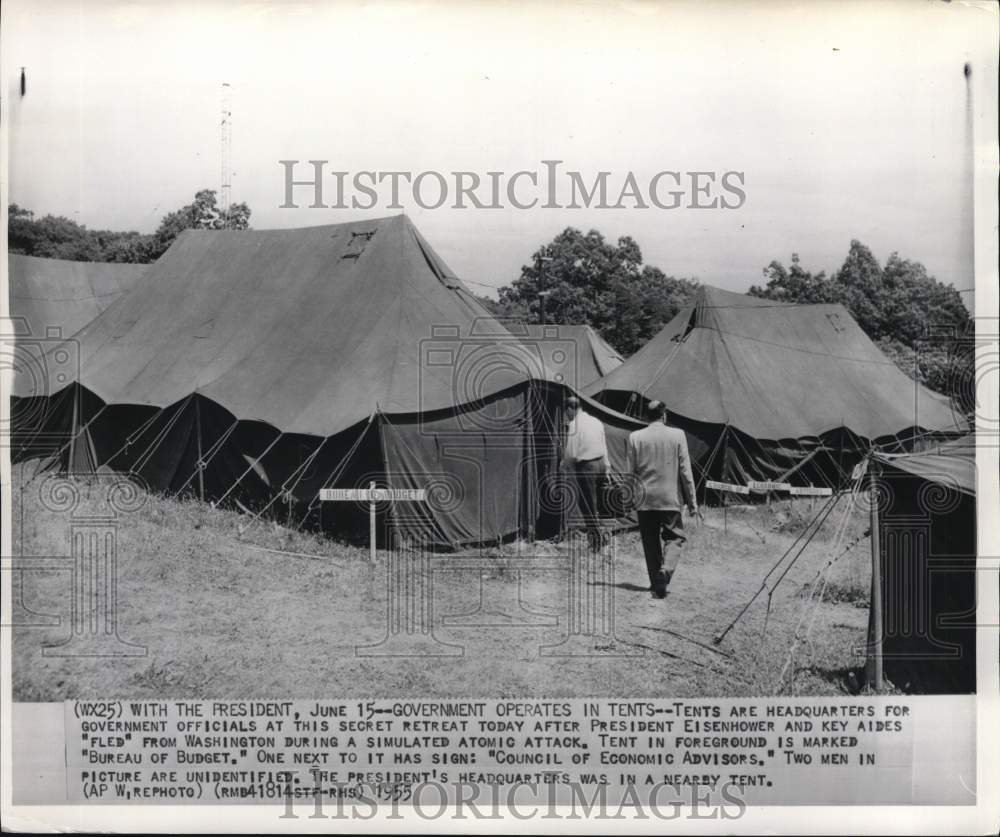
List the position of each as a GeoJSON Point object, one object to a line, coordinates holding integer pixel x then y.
{"type": "Point", "coordinates": [660, 592]}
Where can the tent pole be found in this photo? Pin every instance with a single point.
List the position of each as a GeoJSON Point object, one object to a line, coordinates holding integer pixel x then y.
{"type": "Point", "coordinates": [371, 519]}
{"type": "Point", "coordinates": [840, 455]}
{"type": "Point", "coordinates": [529, 506]}
{"type": "Point", "coordinates": [211, 452]}
{"type": "Point", "coordinates": [873, 666]}
{"type": "Point", "coordinates": [200, 466]}
{"type": "Point", "coordinates": [725, 451]}
{"type": "Point", "coordinates": [73, 430]}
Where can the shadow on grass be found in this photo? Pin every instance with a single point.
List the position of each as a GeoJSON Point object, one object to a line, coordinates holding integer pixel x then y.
{"type": "Point", "coordinates": [621, 585]}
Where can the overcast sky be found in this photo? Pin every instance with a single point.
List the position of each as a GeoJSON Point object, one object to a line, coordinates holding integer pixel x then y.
{"type": "Point", "coordinates": [847, 120]}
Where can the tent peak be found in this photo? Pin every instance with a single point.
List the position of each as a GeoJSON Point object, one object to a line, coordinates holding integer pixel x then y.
{"type": "Point", "coordinates": [313, 228]}
{"type": "Point", "coordinates": [709, 296]}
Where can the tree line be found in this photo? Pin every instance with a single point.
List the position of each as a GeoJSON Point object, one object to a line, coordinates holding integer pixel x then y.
{"type": "Point", "coordinates": [581, 278]}
{"type": "Point", "coordinates": [58, 237]}
{"type": "Point", "coordinates": [922, 324]}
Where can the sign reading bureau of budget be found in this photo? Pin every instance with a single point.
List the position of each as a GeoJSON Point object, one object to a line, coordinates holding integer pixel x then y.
{"type": "Point", "coordinates": [373, 495]}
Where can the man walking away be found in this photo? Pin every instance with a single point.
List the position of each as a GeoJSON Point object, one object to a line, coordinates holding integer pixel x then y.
{"type": "Point", "coordinates": [586, 457]}
{"type": "Point", "coordinates": [660, 465]}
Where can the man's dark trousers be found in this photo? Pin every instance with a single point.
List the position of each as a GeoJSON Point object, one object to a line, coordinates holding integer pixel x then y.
{"type": "Point", "coordinates": [589, 476]}
{"type": "Point", "coordinates": [657, 527]}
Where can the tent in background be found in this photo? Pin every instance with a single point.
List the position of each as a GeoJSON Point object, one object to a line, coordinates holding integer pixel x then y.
{"type": "Point", "coordinates": [772, 391]}
{"type": "Point", "coordinates": [927, 543]}
{"type": "Point", "coordinates": [55, 294]}
{"type": "Point", "coordinates": [256, 367]}
{"type": "Point", "coordinates": [50, 300]}
{"type": "Point", "coordinates": [576, 354]}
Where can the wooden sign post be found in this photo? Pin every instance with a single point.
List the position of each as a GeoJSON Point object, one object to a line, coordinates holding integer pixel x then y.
{"type": "Point", "coordinates": [372, 495]}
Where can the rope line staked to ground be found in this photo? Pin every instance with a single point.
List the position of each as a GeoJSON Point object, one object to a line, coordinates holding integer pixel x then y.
{"type": "Point", "coordinates": [815, 600]}
{"type": "Point", "coordinates": [814, 525]}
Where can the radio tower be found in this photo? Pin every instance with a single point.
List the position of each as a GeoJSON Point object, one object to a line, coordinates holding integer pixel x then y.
{"type": "Point", "coordinates": [967, 211]}
{"type": "Point", "coordinates": [225, 157]}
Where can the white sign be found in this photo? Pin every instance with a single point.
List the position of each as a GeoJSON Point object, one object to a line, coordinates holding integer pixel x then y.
{"type": "Point", "coordinates": [768, 486]}
{"type": "Point", "coordinates": [803, 491]}
{"type": "Point", "coordinates": [372, 495]}
{"type": "Point", "coordinates": [726, 486]}
{"type": "Point", "coordinates": [809, 491]}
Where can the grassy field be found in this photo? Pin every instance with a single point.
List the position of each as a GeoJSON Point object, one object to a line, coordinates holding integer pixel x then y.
{"type": "Point", "coordinates": [224, 611]}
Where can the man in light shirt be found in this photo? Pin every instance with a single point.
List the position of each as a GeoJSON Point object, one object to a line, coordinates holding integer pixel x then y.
{"type": "Point", "coordinates": [659, 462]}
{"type": "Point", "coordinates": [586, 457]}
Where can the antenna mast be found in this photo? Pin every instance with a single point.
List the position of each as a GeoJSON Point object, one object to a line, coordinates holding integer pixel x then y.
{"type": "Point", "coordinates": [225, 156]}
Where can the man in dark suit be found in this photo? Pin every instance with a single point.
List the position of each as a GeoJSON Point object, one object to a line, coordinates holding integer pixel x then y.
{"type": "Point", "coordinates": [659, 462]}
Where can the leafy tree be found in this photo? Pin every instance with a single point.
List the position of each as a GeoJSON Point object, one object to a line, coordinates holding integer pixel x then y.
{"type": "Point", "coordinates": [643, 304]}
{"type": "Point", "coordinates": [202, 214]}
{"type": "Point", "coordinates": [931, 364]}
{"type": "Point", "coordinates": [580, 278]}
{"type": "Point", "coordinates": [792, 285]}
{"type": "Point", "coordinates": [51, 236]}
{"type": "Point", "coordinates": [914, 302]}
{"type": "Point", "coordinates": [489, 304]}
{"type": "Point", "coordinates": [58, 237]}
{"type": "Point", "coordinates": [21, 235]}
{"type": "Point", "coordinates": [859, 286]}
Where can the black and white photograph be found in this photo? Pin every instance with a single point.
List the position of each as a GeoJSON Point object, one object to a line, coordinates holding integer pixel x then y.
{"type": "Point", "coordinates": [418, 414]}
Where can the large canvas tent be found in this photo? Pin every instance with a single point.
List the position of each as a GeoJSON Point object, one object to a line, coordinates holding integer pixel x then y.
{"type": "Point", "coordinates": [927, 543]}
{"type": "Point", "coordinates": [576, 354]}
{"type": "Point", "coordinates": [49, 301]}
{"type": "Point", "coordinates": [773, 391]}
{"type": "Point", "coordinates": [256, 367]}
{"type": "Point", "coordinates": [53, 296]}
